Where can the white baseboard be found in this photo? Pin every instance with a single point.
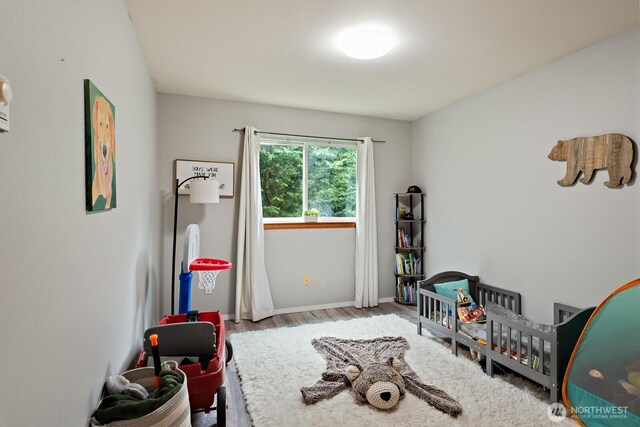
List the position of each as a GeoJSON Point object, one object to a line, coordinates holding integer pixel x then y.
{"type": "Point", "coordinates": [311, 307]}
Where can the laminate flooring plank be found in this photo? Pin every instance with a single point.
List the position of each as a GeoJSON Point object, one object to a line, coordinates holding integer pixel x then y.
{"type": "Point", "coordinates": [267, 323]}
{"type": "Point", "coordinates": [309, 317]}
{"type": "Point", "coordinates": [408, 312]}
{"type": "Point", "coordinates": [281, 321]}
{"type": "Point", "coordinates": [358, 312]}
{"type": "Point", "coordinates": [237, 407]}
{"type": "Point", "coordinates": [297, 319]}
{"type": "Point", "coordinates": [245, 326]}
{"type": "Point", "coordinates": [390, 307]}
{"type": "Point", "coordinates": [230, 325]}
{"type": "Point", "coordinates": [237, 415]}
{"type": "Point", "coordinates": [377, 311]}
{"type": "Point", "coordinates": [322, 315]}
{"type": "Point", "coordinates": [335, 314]}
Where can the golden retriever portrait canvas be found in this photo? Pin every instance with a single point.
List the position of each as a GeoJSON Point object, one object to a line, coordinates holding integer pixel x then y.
{"type": "Point", "coordinates": [100, 149]}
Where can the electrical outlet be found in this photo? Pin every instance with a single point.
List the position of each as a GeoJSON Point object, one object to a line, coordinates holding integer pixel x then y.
{"type": "Point", "coordinates": [306, 280]}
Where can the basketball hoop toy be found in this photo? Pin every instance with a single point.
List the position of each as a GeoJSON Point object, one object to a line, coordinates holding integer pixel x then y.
{"type": "Point", "coordinates": [207, 268]}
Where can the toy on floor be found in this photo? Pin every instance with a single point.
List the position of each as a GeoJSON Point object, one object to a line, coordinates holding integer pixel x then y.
{"type": "Point", "coordinates": [117, 384]}
{"type": "Point", "coordinates": [123, 407]}
{"type": "Point", "coordinates": [633, 373]}
{"type": "Point", "coordinates": [620, 391]}
{"type": "Point", "coordinates": [155, 351]}
{"type": "Point", "coordinates": [376, 371]}
{"type": "Point", "coordinates": [196, 338]}
{"type": "Point", "coordinates": [207, 268]}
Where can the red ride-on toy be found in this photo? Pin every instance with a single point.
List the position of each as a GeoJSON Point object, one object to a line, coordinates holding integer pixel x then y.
{"type": "Point", "coordinates": [198, 339]}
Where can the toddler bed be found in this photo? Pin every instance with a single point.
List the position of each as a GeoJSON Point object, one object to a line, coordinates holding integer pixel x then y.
{"type": "Point", "coordinates": [506, 336]}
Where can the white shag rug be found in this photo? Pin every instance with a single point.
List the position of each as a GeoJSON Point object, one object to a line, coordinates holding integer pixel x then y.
{"type": "Point", "coordinates": [274, 364]}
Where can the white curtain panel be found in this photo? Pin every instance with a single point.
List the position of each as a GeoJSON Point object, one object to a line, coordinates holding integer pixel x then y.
{"type": "Point", "coordinates": [253, 295]}
{"type": "Point", "coordinates": [366, 231]}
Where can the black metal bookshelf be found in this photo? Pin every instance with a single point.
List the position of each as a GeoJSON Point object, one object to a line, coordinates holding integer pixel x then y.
{"type": "Point", "coordinates": [409, 245]}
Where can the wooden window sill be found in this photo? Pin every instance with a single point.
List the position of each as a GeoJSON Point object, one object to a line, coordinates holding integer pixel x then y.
{"type": "Point", "coordinates": [298, 225]}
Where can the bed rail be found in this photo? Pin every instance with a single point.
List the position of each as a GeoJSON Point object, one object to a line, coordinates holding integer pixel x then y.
{"type": "Point", "coordinates": [434, 309]}
{"type": "Point", "coordinates": [523, 364]}
{"type": "Point", "coordinates": [431, 307]}
{"type": "Point", "coordinates": [562, 338]}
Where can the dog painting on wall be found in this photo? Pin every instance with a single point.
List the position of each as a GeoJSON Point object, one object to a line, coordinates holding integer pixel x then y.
{"type": "Point", "coordinates": [100, 149]}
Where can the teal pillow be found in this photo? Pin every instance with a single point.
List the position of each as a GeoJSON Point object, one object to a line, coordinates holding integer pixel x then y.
{"type": "Point", "coordinates": [448, 289]}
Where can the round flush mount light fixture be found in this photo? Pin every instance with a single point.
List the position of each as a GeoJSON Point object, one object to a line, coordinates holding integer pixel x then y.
{"type": "Point", "coordinates": [365, 43]}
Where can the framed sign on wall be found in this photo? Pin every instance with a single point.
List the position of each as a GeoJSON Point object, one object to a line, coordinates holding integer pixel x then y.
{"type": "Point", "coordinates": [221, 171]}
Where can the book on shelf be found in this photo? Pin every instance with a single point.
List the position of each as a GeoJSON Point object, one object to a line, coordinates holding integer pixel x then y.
{"type": "Point", "coordinates": [406, 292]}
{"type": "Point", "coordinates": [399, 264]}
{"type": "Point", "coordinates": [401, 293]}
{"type": "Point", "coordinates": [404, 239]}
{"type": "Point", "coordinates": [405, 263]}
{"type": "Point", "coordinates": [409, 293]}
{"type": "Point", "coordinates": [412, 263]}
{"type": "Point", "coordinates": [408, 263]}
{"type": "Point", "coordinates": [407, 266]}
{"type": "Point", "coordinates": [401, 237]}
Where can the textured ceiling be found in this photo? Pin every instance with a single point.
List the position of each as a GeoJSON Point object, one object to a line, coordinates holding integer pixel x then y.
{"type": "Point", "coordinates": [282, 52]}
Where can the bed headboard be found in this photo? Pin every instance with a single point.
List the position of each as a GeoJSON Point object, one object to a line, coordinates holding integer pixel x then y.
{"type": "Point", "coordinates": [480, 292]}
{"type": "Point", "coordinates": [451, 276]}
{"type": "Point", "coordinates": [563, 312]}
{"type": "Point", "coordinates": [503, 297]}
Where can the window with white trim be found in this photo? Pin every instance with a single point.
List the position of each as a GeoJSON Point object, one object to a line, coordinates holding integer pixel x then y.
{"type": "Point", "coordinates": [300, 175]}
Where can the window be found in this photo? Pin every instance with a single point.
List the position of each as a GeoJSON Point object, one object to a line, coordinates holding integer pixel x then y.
{"type": "Point", "coordinates": [301, 175]}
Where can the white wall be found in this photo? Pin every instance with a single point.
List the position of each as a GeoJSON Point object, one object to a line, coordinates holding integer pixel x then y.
{"type": "Point", "coordinates": [200, 128]}
{"type": "Point", "coordinates": [494, 208]}
{"type": "Point", "coordinates": [75, 286]}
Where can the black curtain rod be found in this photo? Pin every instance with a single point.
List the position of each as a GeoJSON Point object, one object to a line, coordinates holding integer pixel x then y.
{"type": "Point", "coordinates": [307, 136]}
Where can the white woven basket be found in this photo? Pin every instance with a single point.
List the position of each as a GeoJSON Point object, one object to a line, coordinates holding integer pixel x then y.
{"type": "Point", "coordinates": [174, 413]}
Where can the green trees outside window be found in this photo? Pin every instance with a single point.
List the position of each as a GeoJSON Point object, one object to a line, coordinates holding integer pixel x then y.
{"type": "Point", "coordinates": [281, 179]}
{"type": "Point", "coordinates": [331, 180]}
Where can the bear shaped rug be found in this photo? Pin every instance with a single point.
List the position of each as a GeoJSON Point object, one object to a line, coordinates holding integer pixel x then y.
{"type": "Point", "coordinates": [376, 371]}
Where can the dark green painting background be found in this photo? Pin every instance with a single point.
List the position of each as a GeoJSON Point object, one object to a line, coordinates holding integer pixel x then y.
{"type": "Point", "coordinates": [90, 93]}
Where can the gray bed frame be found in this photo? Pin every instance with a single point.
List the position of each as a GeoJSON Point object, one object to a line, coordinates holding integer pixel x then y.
{"type": "Point", "coordinates": [568, 324]}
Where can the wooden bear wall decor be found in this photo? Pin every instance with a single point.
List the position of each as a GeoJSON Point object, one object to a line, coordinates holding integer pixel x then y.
{"type": "Point", "coordinates": [612, 151]}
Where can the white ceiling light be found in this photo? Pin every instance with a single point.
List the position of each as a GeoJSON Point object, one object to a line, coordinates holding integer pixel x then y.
{"type": "Point", "coordinates": [365, 43]}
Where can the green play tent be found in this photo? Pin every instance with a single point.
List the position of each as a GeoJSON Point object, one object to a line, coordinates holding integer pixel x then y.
{"type": "Point", "coordinates": [602, 382]}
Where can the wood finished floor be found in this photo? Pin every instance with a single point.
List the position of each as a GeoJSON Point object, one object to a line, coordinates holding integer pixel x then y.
{"type": "Point", "coordinates": [237, 415]}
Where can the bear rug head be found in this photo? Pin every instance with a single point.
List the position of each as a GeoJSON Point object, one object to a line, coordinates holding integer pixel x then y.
{"type": "Point", "coordinates": [376, 372]}
{"type": "Point", "coordinates": [380, 384]}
